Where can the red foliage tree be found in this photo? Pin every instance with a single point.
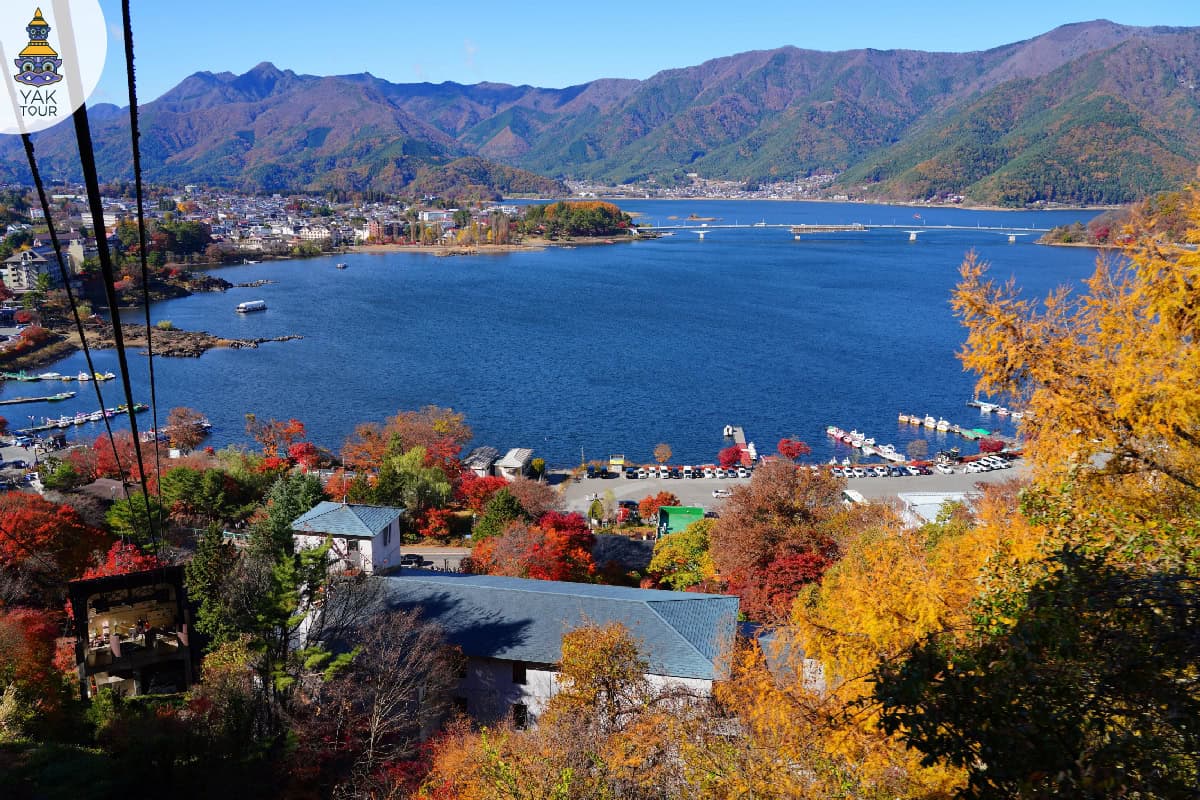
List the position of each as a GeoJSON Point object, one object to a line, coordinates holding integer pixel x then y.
{"type": "Point", "coordinates": [83, 461]}
{"type": "Point", "coordinates": [784, 512]}
{"type": "Point", "coordinates": [990, 445]}
{"type": "Point", "coordinates": [44, 538]}
{"type": "Point", "coordinates": [730, 456]}
{"type": "Point", "coordinates": [474, 491]}
{"type": "Point", "coordinates": [27, 656]}
{"type": "Point", "coordinates": [558, 548]}
{"type": "Point", "coordinates": [303, 453]}
{"type": "Point", "coordinates": [119, 462]}
{"type": "Point", "coordinates": [123, 558]}
{"type": "Point", "coordinates": [274, 436]}
{"type": "Point", "coordinates": [649, 506]}
{"type": "Point", "coordinates": [768, 594]}
{"type": "Point", "coordinates": [791, 449]}
{"type": "Point", "coordinates": [3, 425]}
{"type": "Point", "coordinates": [23, 317]}
{"type": "Point", "coordinates": [435, 523]}
{"type": "Point", "coordinates": [443, 454]}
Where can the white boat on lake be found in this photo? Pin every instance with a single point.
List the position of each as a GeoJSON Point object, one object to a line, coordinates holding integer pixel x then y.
{"type": "Point", "coordinates": [251, 305]}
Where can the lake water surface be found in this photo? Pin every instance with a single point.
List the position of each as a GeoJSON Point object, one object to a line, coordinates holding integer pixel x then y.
{"type": "Point", "coordinates": [609, 348]}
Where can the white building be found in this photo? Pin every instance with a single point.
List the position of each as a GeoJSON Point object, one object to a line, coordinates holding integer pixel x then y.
{"type": "Point", "coordinates": [21, 270]}
{"type": "Point", "coordinates": [511, 630]}
{"type": "Point", "coordinates": [363, 537]}
{"type": "Point", "coordinates": [515, 463]}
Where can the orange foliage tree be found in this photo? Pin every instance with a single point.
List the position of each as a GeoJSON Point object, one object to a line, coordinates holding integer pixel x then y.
{"type": "Point", "coordinates": [649, 505]}
{"type": "Point", "coordinates": [436, 429]}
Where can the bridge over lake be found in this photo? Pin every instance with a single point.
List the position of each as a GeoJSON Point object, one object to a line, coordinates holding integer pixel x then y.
{"type": "Point", "coordinates": [801, 230]}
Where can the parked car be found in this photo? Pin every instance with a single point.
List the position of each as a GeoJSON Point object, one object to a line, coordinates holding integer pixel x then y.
{"type": "Point", "coordinates": [591, 471]}
{"type": "Point", "coordinates": [912, 470]}
{"type": "Point", "coordinates": [642, 473]}
{"type": "Point", "coordinates": [881, 472]}
{"type": "Point", "coordinates": [722, 493]}
{"type": "Point", "coordinates": [859, 472]}
{"type": "Point", "coordinates": [743, 472]}
{"type": "Point", "coordinates": [411, 560]}
{"type": "Point", "coordinates": [630, 472]}
{"type": "Point", "coordinates": [945, 469]}
{"type": "Point", "coordinates": [835, 472]}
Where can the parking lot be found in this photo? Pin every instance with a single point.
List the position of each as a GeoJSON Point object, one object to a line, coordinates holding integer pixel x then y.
{"type": "Point", "coordinates": [699, 491]}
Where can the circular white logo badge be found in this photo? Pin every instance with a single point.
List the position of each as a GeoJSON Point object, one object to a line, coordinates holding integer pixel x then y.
{"type": "Point", "coordinates": [51, 56]}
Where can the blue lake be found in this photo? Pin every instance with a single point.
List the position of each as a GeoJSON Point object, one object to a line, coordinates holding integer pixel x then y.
{"type": "Point", "coordinates": [609, 348]}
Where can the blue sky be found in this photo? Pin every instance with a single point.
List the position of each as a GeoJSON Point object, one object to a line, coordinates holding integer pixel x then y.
{"type": "Point", "coordinates": [560, 43]}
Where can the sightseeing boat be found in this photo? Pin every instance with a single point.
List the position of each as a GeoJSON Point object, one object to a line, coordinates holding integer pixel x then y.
{"type": "Point", "coordinates": [251, 305]}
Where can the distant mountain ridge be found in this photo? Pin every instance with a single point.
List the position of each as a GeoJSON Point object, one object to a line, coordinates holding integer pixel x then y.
{"type": "Point", "coordinates": [1091, 112]}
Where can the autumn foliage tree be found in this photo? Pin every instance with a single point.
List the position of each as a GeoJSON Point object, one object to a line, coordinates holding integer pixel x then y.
{"type": "Point", "coordinates": [42, 545]}
{"type": "Point", "coordinates": [433, 428]}
{"type": "Point", "coordinates": [186, 428]}
{"type": "Point", "coordinates": [556, 548]}
{"type": "Point", "coordinates": [649, 505]}
{"type": "Point", "coordinates": [791, 449]}
{"type": "Point", "coordinates": [783, 513]}
{"type": "Point", "coordinates": [474, 491]}
{"type": "Point", "coordinates": [31, 689]}
{"type": "Point", "coordinates": [730, 456]}
{"type": "Point", "coordinates": [1108, 375]}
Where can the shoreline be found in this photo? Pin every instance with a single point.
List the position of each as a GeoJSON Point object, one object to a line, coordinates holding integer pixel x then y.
{"type": "Point", "coordinates": [897, 203]}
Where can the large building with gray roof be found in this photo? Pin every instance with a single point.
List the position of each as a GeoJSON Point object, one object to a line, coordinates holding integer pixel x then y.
{"type": "Point", "coordinates": [511, 630]}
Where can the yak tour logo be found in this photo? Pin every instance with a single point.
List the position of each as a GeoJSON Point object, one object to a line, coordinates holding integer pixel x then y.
{"type": "Point", "coordinates": [38, 63]}
{"type": "Point", "coordinates": [58, 56]}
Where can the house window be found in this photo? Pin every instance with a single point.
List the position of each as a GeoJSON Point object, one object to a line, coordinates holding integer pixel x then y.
{"type": "Point", "coordinates": [352, 546]}
{"type": "Point", "coordinates": [387, 535]}
{"type": "Point", "coordinates": [519, 673]}
{"type": "Point", "coordinates": [520, 716]}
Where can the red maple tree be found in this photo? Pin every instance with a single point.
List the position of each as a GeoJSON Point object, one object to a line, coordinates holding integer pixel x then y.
{"type": "Point", "coordinates": [792, 449]}
{"type": "Point", "coordinates": [475, 492]}
{"type": "Point", "coordinates": [730, 456]}
{"type": "Point", "coordinates": [43, 536]}
{"type": "Point", "coordinates": [123, 558]}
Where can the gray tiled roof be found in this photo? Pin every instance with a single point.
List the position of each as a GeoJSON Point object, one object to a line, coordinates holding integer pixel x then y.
{"type": "Point", "coordinates": [481, 458]}
{"type": "Point", "coordinates": [341, 519]}
{"type": "Point", "coordinates": [681, 634]}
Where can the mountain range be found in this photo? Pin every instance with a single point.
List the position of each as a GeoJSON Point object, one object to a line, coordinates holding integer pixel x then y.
{"type": "Point", "coordinates": [1092, 112]}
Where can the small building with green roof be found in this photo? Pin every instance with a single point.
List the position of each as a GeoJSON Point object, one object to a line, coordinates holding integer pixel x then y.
{"type": "Point", "coordinates": [672, 519]}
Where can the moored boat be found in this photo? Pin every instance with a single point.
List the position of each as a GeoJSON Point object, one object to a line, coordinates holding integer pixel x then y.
{"type": "Point", "coordinates": [251, 305]}
{"type": "Point", "coordinates": [930, 422]}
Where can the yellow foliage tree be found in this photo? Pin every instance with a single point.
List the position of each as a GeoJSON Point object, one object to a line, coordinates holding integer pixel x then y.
{"type": "Point", "coordinates": [1110, 376]}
